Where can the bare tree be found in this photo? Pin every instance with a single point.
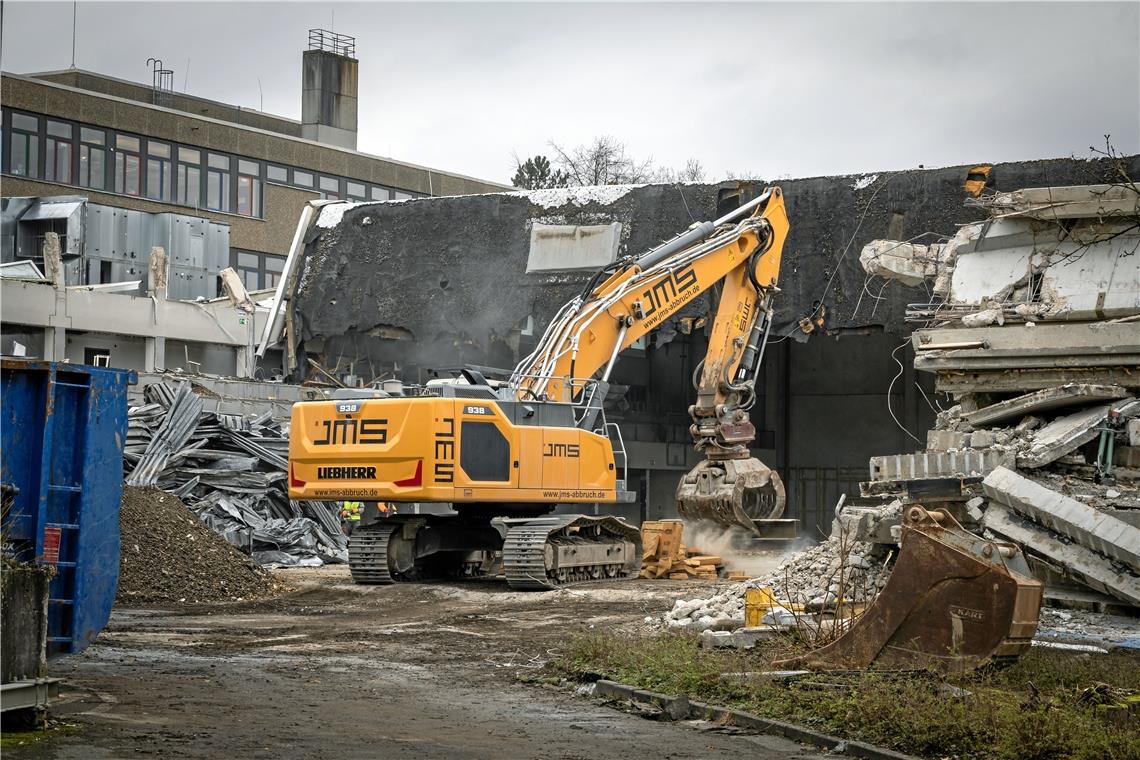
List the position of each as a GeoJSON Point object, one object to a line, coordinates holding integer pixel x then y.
{"type": "Point", "coordinates": [692, 171]}
{"type": "Point", "coordinates": [605, 161]}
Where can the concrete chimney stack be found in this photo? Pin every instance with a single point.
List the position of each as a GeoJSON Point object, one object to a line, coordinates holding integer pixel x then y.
{"type": "Point", "coordinates": [329, 81]}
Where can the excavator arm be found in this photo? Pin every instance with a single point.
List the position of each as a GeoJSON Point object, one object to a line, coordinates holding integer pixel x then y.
{"type": "Point", "coordinates": [624, 302]}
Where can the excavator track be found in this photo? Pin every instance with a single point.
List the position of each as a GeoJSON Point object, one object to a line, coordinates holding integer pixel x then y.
{"type": "Point", "coordinates": [564, 550]}
{"type": "Point", "coordinates": [368, 554]}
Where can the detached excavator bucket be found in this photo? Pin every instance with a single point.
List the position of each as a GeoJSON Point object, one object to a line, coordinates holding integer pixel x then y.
{"type": "Point", "coordinates": [953, 600]}
{"type": "Point", "coordinates": [733, 492]}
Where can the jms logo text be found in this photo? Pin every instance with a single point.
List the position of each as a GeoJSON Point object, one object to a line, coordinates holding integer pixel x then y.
{"type": "Point", "coordinates": [662, 294]}
{"type": "Point", "coordinates": [565, 450]}
{"type": "Point", "coordinates": [364, 432]}
{"type": "Point", "coordinates": [444, 471]}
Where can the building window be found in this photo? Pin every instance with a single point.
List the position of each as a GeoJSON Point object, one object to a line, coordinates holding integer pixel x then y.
{"type": "Point", "coordinates": [92, 158]}
{"type": "Point", "coordinates": [355, 191]}
{"type": "Point", "coordinates": [276, 173]}
{"type": "Point", "coordinates": [274, 265]}
{"type": "Point", "coordinates": [249, 188]}
{"type": "Point", "coordinates": [158, 173]}
{"type": "Point", "coordinates": [302, 179]}
{"type": "Point", "coordinates": [218, 183]}
{"type": "Point", "coordinates": [127, 164]}
{"type": "Point", "coordinates": [59, 150]}
{"type": "Point", "coordinates": [400, 195]}
{"type": "Point", "coordinates": [330, 188]}
{"type": "Point", "coordinates": [24, 149]}
{"type": "Point", "coordinates": [381, 194]}
{"type": "Point", "coordinates": [257, 270]}
{"type": "Point", "coordinates": [189, 182]}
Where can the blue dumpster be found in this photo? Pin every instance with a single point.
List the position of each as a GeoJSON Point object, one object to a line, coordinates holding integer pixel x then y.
{"type": "Point", "coordinates": [62, 433]}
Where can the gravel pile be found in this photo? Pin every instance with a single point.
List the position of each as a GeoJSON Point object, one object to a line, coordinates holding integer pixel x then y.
{"type": "Point", "coordinates": [815, 576]}
{"type": "Point", "coordinates": [169, 556]}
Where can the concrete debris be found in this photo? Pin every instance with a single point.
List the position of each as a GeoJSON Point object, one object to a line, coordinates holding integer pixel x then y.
{"type": "Point", "coordinates": [1106, 630]}
{"type": "Point", "coordinates": [1070, 394]}
{"type": "Point", "coordinates": [929, 465]}
{"type": "Point", "coordinates": [1036, 340]}
{"type": "Point", "coordinates": [1082, 564]}
{"type": "Point", "coordinates": [984, 318]}
{"type": "Point", "coordinates": [230, 469]}
{"type": "Point", "coordinates": [1081, 523]}
{"type": "Point", "coordinates": [1075, 202]}
{"type": "Point", "coordinates": [908, 263]}
{"type": "Point", "coordinates": [814, 578]}
{"type": "Point", "coordinates": [741, 638]}
{"type": "Point", "coordinates": [1064, 435]}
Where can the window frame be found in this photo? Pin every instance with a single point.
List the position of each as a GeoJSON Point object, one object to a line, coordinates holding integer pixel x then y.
{"type": "Point", "coordinates": [165, 166]}
{"type": "Point", "coordinates": [53, 147]}
{"type": "Point", "coordinates": [121, 167]}
{"type": "Point", "coordinates": [328, 194]}
{"type": "Point", "coordinates": [32, 142]}
{"type": "Point", "coordinates": [226, 184]}
{"type": "Point", "coordinates": [254, 182]}
{"type": "Point", "coordinates": [91, 148]}
{"type": "Point", "coordinates": [182, 185]}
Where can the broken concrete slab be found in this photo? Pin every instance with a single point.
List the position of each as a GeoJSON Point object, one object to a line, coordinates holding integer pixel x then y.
{"type": "Point", "coordinates": [1045, 345]}
{"type": "Point", "coordinates": [742, 638]}
{"type": "Point", "coordinates": [1089, 527]}
{"type": "Point", "coordinates": [930, 465]}
{"type": "Point", "coordinates": [1063, 435]}
{"type": "Point", "coordinates": [908, 263]}
{"type": "Point", "coordinates": [946, 440]}
{"type": "Point", "coordinates": [1073, 202]}
{"type": "Point", "coordinates": [1012, 380]}
{"type": "Point", "coordinates": [1071, 394]}
{"type": "Point", "coordinates": [1085, 564]}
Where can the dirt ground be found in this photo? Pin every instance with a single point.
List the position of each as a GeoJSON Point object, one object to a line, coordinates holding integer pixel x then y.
{"type": "Point", "coordinates": [338, 670]}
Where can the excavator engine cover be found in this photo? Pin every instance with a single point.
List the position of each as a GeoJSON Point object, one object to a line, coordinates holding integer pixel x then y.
{"type": "Point", "coordinates": [733, 492]}
{"type": "Point", "coordinates": [954, 600]}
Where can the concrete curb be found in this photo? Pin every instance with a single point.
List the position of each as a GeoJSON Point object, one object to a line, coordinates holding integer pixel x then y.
{"type": "Point", "coordinates": [682, 707]}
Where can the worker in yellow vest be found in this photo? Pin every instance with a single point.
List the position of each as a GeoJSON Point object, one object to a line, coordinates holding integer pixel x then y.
{"type": "Point", "coordinates": [350, 512]}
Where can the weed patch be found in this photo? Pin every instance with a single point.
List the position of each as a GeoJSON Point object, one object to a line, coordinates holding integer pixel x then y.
{"type": "Point", "coordinates": [1038, 708]}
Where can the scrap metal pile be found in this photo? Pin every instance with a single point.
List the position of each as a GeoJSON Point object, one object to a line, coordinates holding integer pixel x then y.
{"type": "Point", "coordinates": [231, 471]}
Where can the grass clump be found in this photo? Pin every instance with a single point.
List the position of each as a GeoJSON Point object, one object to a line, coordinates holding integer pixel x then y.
{"type": "Point", "coordinates": [1049, 705]}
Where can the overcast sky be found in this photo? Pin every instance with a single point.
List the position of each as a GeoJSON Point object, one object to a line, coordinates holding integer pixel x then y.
{"type": "Point", "coordinates": [765, 88]}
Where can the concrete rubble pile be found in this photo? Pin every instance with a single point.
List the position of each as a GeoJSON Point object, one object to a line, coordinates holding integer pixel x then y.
{"type": "Point", "coordinates": [231, 470]}
{"type": "Point", "coordinates": [814, 579]}
{"type": "Point", "coordinates": [1034, 331]}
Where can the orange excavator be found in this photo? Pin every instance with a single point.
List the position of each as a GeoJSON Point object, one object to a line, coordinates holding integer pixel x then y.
{"type": "Point", "coordinates": [502, 457]}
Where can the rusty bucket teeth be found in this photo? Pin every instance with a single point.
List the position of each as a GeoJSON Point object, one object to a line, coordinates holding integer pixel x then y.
{"type": "Point", "coordinates": [731, 492]}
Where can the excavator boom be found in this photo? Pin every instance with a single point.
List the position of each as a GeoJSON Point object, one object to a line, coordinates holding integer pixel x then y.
{"type": "Point", "coordinates": [741, 253]}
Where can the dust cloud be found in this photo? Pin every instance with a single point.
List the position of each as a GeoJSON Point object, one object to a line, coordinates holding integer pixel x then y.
{"type": "Point", "coordinates": [737, 547]}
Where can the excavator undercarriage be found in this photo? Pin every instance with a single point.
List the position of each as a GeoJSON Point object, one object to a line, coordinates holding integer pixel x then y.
{"type": "Point", "coordinates": [534, 553]}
